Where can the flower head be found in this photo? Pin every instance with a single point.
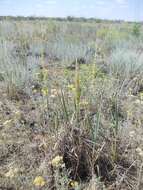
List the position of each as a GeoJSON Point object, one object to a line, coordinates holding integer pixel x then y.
{"type": "Point", "coordinates": [39, 181]}
{"type": "Point", "coordinates": [44, 91]}
{"type": "Point", "coordinates": [71, 87]}
{"type": "Point", "coordinates": [57, 161]}
{"type": "Point", "coordinates": [73, 184]}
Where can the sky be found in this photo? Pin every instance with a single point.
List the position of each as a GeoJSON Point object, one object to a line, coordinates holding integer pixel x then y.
{"type": "Point", "coordinates": [130, 10]}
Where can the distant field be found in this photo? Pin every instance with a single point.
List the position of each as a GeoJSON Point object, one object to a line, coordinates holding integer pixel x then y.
{"type": "Point", "coordinates": [71, 105]}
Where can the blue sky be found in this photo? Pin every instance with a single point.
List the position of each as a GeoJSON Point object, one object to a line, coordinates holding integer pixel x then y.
{"type": "Point", "coordinates": [108, 9]}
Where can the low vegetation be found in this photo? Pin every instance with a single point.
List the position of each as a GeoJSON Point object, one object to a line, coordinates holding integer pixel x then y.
{"type": "Point", "coordinates": [71, 105]}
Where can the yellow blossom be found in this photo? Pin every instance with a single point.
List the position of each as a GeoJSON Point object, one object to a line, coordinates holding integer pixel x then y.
{"type": "Point", "coordinates": [57, 161]}
{"type": "Point", "coordinates": [39, 181]}
{"type": "Point", "coordinates": [44, 91]}
{"type": "Point", "coordinates": [71, 87]}
{"type": "Point", "coordinates": [73, 184]}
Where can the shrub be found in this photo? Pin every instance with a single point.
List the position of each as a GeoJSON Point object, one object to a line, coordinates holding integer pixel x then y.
{"type": "Point", "coordinates": [125, 63]}
{"type": "Point", "coordinates": [15, 72]}
{"type": "Point", "coordinates": [136, 30]}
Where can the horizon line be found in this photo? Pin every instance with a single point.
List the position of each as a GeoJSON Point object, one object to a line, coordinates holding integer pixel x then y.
{"type": "Point", "coordinates": [73, 17]}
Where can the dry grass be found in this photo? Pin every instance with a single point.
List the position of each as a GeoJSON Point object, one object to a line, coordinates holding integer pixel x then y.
{"type": "Point", "coordinates": [70, 129]}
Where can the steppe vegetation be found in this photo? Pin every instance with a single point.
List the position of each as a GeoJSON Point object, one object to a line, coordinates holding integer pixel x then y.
{"type": "Point", "coordinates": [71, 105]}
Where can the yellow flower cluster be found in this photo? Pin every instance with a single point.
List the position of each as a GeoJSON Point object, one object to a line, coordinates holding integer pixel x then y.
{"type": "Point", "coordinates": [71, 87]}
{"type": "Point", "coordinates": [39, 181]}
{"type": "Point", "coordinates": [73, 184]}
{"type": "Point", "coordinates": [57, 161]}
{"type": "Point", "coordinates": [44, 91]}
